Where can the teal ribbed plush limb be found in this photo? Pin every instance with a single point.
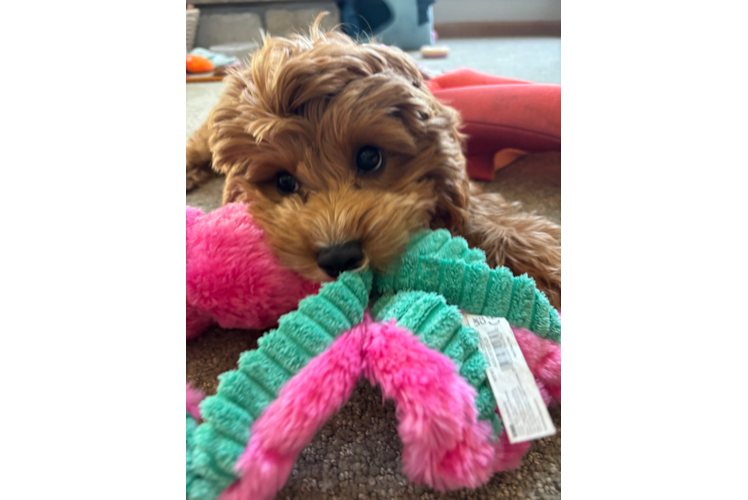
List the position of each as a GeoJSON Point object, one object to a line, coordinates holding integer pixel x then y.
{"type": "Point", "coordinates": [191, 426]}
{"type": "Point", "coordinates": [439, 263]}
{"type": "Point", "coordinates": [215, 445]}
{"type": "Point", "coordinates": [423, 291]}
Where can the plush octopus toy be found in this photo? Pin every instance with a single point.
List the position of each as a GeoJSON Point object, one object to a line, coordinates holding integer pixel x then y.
{"type": "Point", "coordinates": [401, 329]}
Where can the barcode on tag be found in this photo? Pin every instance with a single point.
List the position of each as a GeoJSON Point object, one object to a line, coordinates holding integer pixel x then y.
{"type": "Point", "coordinates": [521, 406]}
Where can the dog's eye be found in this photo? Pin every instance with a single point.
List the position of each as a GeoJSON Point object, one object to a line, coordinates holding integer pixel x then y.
{"type": "Point", "coordinates": [369, 159]}
{"type": "Point", "coordinates": [286, 183]}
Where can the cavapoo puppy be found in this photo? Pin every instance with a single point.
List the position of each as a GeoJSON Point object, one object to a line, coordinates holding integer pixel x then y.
{"type": "Point", "coordinates": [343, 152]}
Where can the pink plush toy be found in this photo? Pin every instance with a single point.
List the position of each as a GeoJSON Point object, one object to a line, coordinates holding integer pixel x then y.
{"type": "Point", "coordinates": [234, 280]}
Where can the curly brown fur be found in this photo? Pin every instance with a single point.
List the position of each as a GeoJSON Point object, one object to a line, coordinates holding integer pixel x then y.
{"type": "Point", "coordinates": [305, 106]}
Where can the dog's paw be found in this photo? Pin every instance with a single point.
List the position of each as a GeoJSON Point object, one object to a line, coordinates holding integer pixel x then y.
{"type": "Point", "coordinates": [197, 176]}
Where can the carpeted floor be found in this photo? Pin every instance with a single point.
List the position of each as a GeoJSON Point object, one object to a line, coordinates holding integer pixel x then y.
{"type": "Point", "coordinates": [356, 455]}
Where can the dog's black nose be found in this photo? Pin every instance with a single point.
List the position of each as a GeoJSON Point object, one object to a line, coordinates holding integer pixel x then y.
{"type": "Point", "coordinates": [338, 258]}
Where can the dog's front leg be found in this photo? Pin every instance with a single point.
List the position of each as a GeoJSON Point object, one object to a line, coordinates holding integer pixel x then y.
{"type": "Point", "coordinates": [199, 158]}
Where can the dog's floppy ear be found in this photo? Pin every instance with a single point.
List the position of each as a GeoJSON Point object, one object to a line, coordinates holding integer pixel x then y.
{"type": "Point", "coordinates": [451, 184]}
{"type": "Point", "coordinates": [452, 197]}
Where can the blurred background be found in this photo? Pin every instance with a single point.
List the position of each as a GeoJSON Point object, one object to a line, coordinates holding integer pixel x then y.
{"type": "Point", "coordinates": [513, 38]}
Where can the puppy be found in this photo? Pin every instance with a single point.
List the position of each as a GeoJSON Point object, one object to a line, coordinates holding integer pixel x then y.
{"type": "Point", "coordinates": [343, 153]}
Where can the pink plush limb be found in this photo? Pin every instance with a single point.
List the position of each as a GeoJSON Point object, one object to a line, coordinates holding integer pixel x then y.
{"type": "Point", "coordinates": [232, 277]}
{"type": "Point", "coordinates": [193, 401]}
{"type": "Point", "coordinates": [192, 215]}
{"type": "Point", "coordinates": [445, 446]}
{"type": "Point", "coordinates": [289, 423]}
{"type": "Point", "coordinates": [544, 359]}
{"type": "Point", "coordinates": [508, 456]}
{"type": "Point", "coordinates": [197, 321]}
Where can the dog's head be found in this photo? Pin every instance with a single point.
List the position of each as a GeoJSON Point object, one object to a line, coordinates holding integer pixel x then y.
{"type": "Point", "coordinates": [341, 150]}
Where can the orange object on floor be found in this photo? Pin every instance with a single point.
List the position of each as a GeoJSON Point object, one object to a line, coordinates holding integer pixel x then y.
{"type": "Point", "coordinates": [507, 157]}
{"type": "Point", "coordinates": [197, 64]}
{"type": "Point", "coordinates": [498, 114]}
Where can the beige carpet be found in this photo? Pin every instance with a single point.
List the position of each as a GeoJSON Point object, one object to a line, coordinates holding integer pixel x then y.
{"type": "Point", "coordinates": [357, 454]}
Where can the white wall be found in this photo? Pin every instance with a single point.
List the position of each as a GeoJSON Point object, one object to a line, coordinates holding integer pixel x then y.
{"type": "Point", "coordinates": [471, 11]}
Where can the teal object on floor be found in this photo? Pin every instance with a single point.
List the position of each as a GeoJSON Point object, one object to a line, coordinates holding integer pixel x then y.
{"type": "Point", "coordinates": [403, 30]}
{"type": "Point", "coordinates": [217, 59]}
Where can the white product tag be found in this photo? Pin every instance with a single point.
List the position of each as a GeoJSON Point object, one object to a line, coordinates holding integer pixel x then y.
{"type": "Point", "coordinates": [521, 406]}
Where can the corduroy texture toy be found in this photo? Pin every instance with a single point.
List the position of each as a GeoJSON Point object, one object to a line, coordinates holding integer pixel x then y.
{"type": "Point", "coordinates": [415, 347]}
